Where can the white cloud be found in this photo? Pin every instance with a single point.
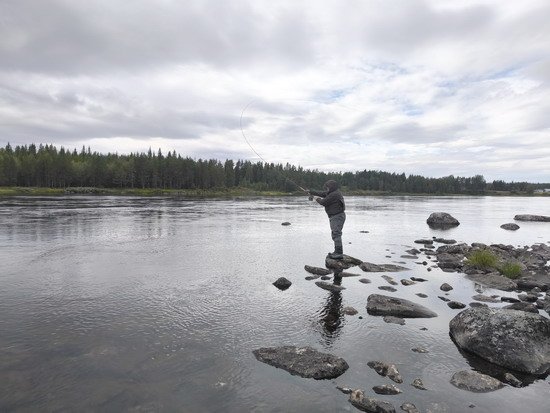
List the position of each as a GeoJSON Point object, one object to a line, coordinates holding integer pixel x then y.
{"type": "Point", "coordinates": [425, 87]}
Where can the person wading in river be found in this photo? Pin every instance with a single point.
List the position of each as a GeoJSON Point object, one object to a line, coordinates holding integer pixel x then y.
{"type": "Point", "coordinates": [333, 201]}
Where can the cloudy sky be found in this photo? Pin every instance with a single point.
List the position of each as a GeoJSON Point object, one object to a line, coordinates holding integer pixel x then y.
{"type": "Point", "coordinates": [434, 87]}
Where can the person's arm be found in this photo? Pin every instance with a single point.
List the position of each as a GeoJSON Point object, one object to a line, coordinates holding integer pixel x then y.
{"type": "Point", "coordinates": [318, 193]}
{"type": "Point", "coordinates": [328, 199]}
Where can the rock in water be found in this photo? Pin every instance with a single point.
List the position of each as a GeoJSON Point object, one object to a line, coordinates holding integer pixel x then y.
{"type": "Point", "coordinates": [535, 218]}
{"type": "Point", "coordinates": [512, 380]}
{"type": "Point", "coordinates": [303, 361]}
{"type": "Point", "coordinates": [475, 382]}
{"type": "Point", "coordinates": [378, 304]}
{"type": "Point", "coordinates": [394, 320]}
{"type": "Point", "coordinates": [512, 339]}
{"type": "Point", "coordinates": [385, 369]}
{"type": "Point", "coordinates": [455, 305]}
{"type": "Point", "coordinates": [445, 287]}
{"type": "Point", "coordinates": [350, 311]}
{"type": "Point", "coordinates": [494, 280]}
{"type": "Point", "coordinates": [369, 404]}
{"type": "Point", "coordinates": [286, 224]}
{"type": "Point", "coordinates": [388, 389]}
{"type": "Point", "coordinates": [510, 227]}
{"type": "Point", "coordinates": [317, 270]}
{"type": "Point", "coordinates": [328, 286]}
{"type": "Point", "coordinates": [409, 408]}
{"type": "Point", "coordinates": [370, 267]}
{"type": "Point", "coordinates": [418, 384]}
{"type": "Point", "coordinates": [442, 220]}
{"type": "Point", "coordinates": [282, 283]}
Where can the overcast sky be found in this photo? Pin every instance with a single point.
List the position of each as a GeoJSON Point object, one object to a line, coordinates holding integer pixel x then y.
{"type": "Point", "coordinates": [427, 87]}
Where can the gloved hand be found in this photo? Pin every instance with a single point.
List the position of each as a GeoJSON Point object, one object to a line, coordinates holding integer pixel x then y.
{"type": "Point", "coordinates": [311, 197]}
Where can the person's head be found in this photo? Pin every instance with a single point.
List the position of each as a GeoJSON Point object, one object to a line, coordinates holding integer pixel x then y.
{"type": "Point", "coordinates": [331, 185]}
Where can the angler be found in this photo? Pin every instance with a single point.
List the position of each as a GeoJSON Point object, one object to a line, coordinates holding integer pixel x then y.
{"type": "Point", "coordinates": [333, 201]}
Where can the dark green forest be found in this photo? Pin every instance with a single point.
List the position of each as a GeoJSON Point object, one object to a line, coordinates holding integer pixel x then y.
{"type": "Point", "coordinates": [50, 167]}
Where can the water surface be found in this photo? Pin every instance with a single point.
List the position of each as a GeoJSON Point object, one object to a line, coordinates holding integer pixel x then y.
{"type": "Point", "coordinates": [155, 304]}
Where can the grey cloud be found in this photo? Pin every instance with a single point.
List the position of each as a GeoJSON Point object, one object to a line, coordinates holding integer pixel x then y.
{"type": "Point", "coordinates": [413, 133]}
{"type": "Point", "coordinates": [87, 37]}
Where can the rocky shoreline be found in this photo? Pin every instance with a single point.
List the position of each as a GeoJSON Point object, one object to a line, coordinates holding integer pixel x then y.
{"type": "Point", "coordinates": [514, 338]}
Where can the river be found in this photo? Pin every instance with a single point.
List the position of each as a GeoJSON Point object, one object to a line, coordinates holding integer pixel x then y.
{"type": "Point", "coordinates": [155, 304]}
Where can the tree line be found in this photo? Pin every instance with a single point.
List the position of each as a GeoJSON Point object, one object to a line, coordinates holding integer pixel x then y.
{"type": "Point", "coordinates": [48, 166]}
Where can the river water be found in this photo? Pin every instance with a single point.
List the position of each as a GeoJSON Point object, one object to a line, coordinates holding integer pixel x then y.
{"type": "Point", "coordinates": [155, 304]}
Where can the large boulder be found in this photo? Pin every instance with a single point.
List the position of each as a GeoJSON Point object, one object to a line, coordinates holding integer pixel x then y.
{"type": "Point", "coordinates": [534, 218]}
{"type": "Point", "coordinates": [303, 361]}
{"type": "Point", "coordinates": [378, 304]}
{"type": "Point", "coordinates": [516, 340]}
{"type": "Point", "coordinates": [442, 220]}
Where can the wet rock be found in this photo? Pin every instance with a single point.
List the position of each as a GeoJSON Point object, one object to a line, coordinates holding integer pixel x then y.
{"type": "Point", "coordinates": [350, 311]}
{"type": "Point", "coordinates": [388, 389]}
{"type": "Point", "coordinates": [418, 384]}
{"type": "Point", "coordinates": [317, 270]}
{"type": "Point", "coordinates": [527, 284]}
{"type": "Point", "coordinates": [422, 295]}
{"type": "Point", "coordinates": [413, 251]}
{"type": "Point", "coordinates": [364, 281]}
{"type": "Point", "coordinates": [323, 277]}
{"type": "Point", "coordinates": [384, 305]}
{"type": "Point", "coordinates": [532, 218]}
{"type": "Point", "coordinates": [455, 305]}
{"type": "Point", "coordinates": [369, 404]}
{"type": "Point", "coordinates": [437, 408]}
{"type": "Point", "coordinates": [461, 248]}
{"type": "Point", "coordinates": [409, 408]}
{"type": "Point", "coordinates": [516, 340]}
{"type": "Point", "coordinates": [443, 298]}
{"type": "Point", "coordinates": [282, 283]}
{"type": "Point", "coordinates": [450, 261]}
{"type": "Point", "coordinates": [420, 350]}
{"type": "Point", "coordinates": [285, 223]}
{"type": "Point", "coordinates": [510, 227]}
{"type": "Point", "coordinates": [389, 279]}
{"type": "Point", "coordinates": [348, 274]}
{"type": "Point", "coordinates": [387, 288]}
{"type": "Point", "coordinates": [485, 298]}
{"type": "Point", "coordinates": [337, 265]}
{"type": "Point", "coordinates": [512, 380]}
{"type": "Point", "coordinates": [303, 361]}
{"type": "Point", "coordinates": [407, 282]}
{"type": "Point", "coordinates": [424, 241]}
{"type": "Point", "coordinates": [364, 232]}
{"type": "Point", "coordinates": [444, 241]}
{"type": "Point", "coordinates": [529, 298]}
{"type": "Point", "coordinates": [494, 280]}
{"type": "Point", "coordinates": [394, 320]}
{"type": "Point", "coordinates": [475, 304]}
{"type": "Point", "coordinates": [442, 220]}
{"type": "Point", "coordinates": [370, 267]}
{"type": "Point", "coordinates": [386, 370]}
{"type": "Point", "coordinates": [418, 279]}
{"type": "Point", "coordinates": [328, 286]}
{"type": "Point", "coordinates": [522, 306]}
{"type": "Point", "coordinates": [313, 277]}
{"type": "Point", "coordinates": [345, 390]}
{"type": "Point", "coordinates": [509, 299]}
{"type": "Point", "coordinates": [409, 257]}
{"type": "Point", "coordinates": [475, 382]}
{"type": "Point", "coordinates": [445, 287]}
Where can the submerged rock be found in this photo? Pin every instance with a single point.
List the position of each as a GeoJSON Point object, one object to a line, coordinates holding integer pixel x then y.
{"type": "Point", "coordinates": [328, 286]}
{"type": "Point", "coordinates": [282, 283]}
{"type": "Point", "coordinates": [389, 279]}
{"type": "Point", "coordinates": [512, 339]}
{"type": "Point", "coordinates": [409, 408]}
{"type": "Point", "coordinates": [370, 267]}
{"type": "Point", "coordinates": [510, 226]}
{"type": "Point", "coordinates": [532, 218]}
{"type": "Point", "coordinates": [317, 270]}
{"type": "Point", "coordinates": [302, 361]}
{"type": "Point", "coordinates": [394, 320]}
{"type": "Point", "coordinates": [384, 305]}
{"type": "Point", "coordinates": [369, 404]}
{"type": "Point", "coordinates": [485, 298]}
{"type": "Point", "coordinates": [418, 384]}
{"type": "Point", "coordinates": [386, 370]}
{"type": "Point", "coordinates": [442, 220]}
{"type": "Point", "coordinates": [350, 311]}
{"type": "Point", "coordinates": [420, 350]}
{"type": "Point", "coordinates": [475, 382]}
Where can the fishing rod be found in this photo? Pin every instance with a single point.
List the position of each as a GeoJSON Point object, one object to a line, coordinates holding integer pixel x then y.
{"type": "Point", "coordinates": [256, 152]}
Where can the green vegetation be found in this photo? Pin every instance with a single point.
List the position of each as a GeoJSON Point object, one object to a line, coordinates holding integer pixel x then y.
{"type": "Point", "coordinates": [510, 269]}
{"type": "Point", "coordinates": [482, 259]}
{"type": "Point", "coordinates": [46, 166]}
{"type": "Point", "coordinates": [486, 260]}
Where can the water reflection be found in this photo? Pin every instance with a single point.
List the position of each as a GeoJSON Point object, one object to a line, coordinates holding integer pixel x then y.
{"type": "Point", "coordinates": [332, 314]}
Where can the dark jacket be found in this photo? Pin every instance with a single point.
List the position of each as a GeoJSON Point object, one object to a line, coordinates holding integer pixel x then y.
{"type": "Point", "coordinates": [331, 199]}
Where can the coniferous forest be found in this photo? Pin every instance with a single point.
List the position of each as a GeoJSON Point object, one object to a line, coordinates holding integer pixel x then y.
{"type": "Point", "coordinates": [50, 167]}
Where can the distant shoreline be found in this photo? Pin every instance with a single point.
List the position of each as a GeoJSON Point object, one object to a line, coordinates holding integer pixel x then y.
{"type": "Point", "coordinates": [217, 193]}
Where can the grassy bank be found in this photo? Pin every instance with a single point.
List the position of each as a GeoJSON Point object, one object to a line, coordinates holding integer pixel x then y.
{"type": "Point", "coordinates": [211, 193]}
